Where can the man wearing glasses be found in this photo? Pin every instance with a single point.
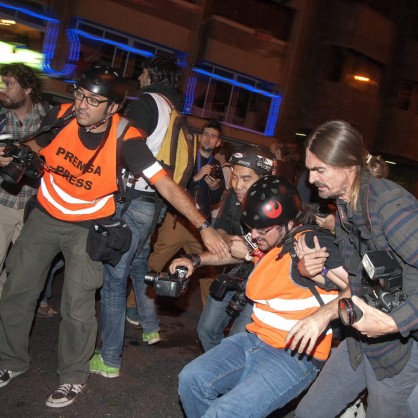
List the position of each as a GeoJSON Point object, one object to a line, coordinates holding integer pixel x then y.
{"type": "Point", "coordinates": [78, 186]}
{"type": "Point", "coordinates": [253, 373]}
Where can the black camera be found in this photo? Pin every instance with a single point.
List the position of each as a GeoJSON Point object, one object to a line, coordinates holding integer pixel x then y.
{"type": "Point", "coordinates": [166, 284]}
{"type": "Point", "coordinates": [225, 282]}
{"type": "Point", "coordinates": [216, 171]}
{"type": "Point", "coordinates": [24, 162]}
{"type": "Point", "coordinates": [383, 288]}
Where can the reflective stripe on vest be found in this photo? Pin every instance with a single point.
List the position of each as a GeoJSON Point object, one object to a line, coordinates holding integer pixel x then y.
{"type": "Point", "coordinates": [274, 316]}
{"type": "Point", "coordinates": [70, 196]}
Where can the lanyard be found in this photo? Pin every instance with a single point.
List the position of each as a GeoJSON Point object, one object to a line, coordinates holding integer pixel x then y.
{"type": "Point", "coordinates": [199, 162]}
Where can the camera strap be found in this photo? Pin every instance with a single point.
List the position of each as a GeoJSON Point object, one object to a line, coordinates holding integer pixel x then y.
{"type": "Point", "coordinates": [60, 123]}
{"type": "Point", "coordinates": [289, 248]}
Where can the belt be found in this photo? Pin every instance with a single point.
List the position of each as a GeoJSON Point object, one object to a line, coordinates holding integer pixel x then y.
{"type": "Point", "coordinates": [140, 194]}
{"type": "Point", "coordinates": [137, 194]}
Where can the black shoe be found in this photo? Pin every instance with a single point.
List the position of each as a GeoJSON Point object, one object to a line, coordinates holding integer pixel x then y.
{"type": "Point", "coordinates": [7, 375]}
{"type": "Point", "coordinates": [65, 395]}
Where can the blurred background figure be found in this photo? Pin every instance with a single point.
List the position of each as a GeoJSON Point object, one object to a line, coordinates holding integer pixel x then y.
{"type": "Point", "coordinates": [285, 161]}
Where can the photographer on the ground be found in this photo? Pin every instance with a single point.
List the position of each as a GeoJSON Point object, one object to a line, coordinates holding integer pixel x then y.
{"type": "Point", "coordinates": [380, 353]}
{"type": "Point", "coordinates": [254, 373]}
{"type": "Point", "coordinates": [248, 165]}
{"type": "Point", "coordinates": [77, 190]}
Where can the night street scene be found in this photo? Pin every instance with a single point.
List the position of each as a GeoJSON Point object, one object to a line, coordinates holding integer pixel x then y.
{"type": "Point", "coordinates": [270, 146]}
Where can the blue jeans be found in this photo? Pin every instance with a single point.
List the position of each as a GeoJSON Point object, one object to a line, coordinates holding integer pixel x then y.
{"type": "Point", "coordinates": [214, 320]}
{"type": "Point", "coordinates": [243, 377]}
{"type": "Point", "coordinates": [338, 384]}
{"type": "Point", "coordinates": [139, 216]}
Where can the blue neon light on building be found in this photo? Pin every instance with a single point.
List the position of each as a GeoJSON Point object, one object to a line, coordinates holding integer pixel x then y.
{"type": "Point", "coordinates": [276, 99]}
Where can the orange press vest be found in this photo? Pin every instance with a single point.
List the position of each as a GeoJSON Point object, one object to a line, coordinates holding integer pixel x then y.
{"type": "Point", "coordinates": [279, 302]}
{"type": "Point", "coordinates": [64, 192]}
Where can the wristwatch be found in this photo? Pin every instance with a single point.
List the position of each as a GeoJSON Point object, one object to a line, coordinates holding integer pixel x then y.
{"type": "Point", "coordinates": [204, 225]}
{"type": "Point", "coordinates": [195, 259]}
{"type": "Point", "coordinates": [324, 272]}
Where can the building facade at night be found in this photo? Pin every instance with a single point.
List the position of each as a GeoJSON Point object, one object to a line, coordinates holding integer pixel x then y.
{"type": "Point", "coordinates": [266, 69]}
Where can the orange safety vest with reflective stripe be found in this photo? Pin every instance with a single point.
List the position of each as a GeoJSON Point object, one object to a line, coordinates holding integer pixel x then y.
{"type": "Point", "coordinates": [68, 195]}
{"type": "Point", "coordinates": [279, 302]}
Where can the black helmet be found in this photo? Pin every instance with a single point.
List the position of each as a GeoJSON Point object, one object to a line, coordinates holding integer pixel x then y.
{"type": "Point", "coordinates": [105, 81]}
{"type": "Point", "coordinates": [270, 201]}
{"type": "Point", "coordinates": [257, 158]}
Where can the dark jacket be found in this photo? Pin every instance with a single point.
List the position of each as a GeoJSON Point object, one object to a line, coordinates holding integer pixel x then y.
{"type": "Point", "coordinates": [393, 225]}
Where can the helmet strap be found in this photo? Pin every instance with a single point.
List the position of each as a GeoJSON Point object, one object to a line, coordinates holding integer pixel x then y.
{"type": "Point", "coordinates": [106, 116]}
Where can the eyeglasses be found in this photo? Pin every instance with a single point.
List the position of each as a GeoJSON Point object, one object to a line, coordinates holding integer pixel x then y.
{"type": "Point", "coordinates": [92, 101]}
{"type": "Point", "coordinates": [264, 231]}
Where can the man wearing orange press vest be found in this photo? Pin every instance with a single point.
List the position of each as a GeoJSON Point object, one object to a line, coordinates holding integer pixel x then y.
{"type": "Point", "coordinates": [77, 187]}
{"type": "Point", "coordinates": [254, 373]}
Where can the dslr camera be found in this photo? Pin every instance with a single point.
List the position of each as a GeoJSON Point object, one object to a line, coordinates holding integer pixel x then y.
{"type": "Point", "coordinates": [24, 162]}
{"type": "Point", "coordinates": [216, 171]}
{"type": "Point", "coordinates": [382, 288]}
{"type": "Point", "coordinates": [225, 282]}
{"type": "Point", "coordinates": [166, 284]}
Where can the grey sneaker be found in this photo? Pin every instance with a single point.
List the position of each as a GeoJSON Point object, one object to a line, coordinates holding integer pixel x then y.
{"type": "Point", "coordinates": [7, 375]}
{"type": "Point", "coordinates": [65, 395]}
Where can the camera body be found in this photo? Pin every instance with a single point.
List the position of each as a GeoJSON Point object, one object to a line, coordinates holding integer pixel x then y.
{"type": "Point", "coordinates": [166, 284]}
{"type": "Point", "coordinates": [216, 171]}
{"type": "Point", "coordinates": [385, 273]}
{"type": "Point", "coordinates": [24, 162]}
{"type": "Point", "coordinates": [382, 288]}
{"type": "Point", "coordinates": [225, 282]}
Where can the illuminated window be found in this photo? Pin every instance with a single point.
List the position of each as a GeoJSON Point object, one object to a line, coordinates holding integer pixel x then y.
{"type": "Point", "coordinates": [354, 69]}
{"type": "Point", "coordinates": [103, 46]}
{"type": "Point", "coordinates": [232, 98]}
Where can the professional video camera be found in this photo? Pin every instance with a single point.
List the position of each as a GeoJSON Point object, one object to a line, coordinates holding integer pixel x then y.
{"type": "Point", "coordinates": [383, 289]}
{"type": "Point", "coordinates": [166, 284]}
{"type": "Point", "coordinates": [216, 171]}
{"type": "Point", "coordinates": [24, 162]}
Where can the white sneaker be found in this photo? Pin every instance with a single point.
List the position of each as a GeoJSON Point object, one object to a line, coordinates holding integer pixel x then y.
{"type": "Point", "coordinates": [65, 395]}
{"type": "Point", "coordinates": [7, 375]}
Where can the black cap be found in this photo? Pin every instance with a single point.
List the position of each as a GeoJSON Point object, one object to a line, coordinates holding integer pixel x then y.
{"type": "Point", "coordinates": [257, 158]}
{"type": "Point", "coordinates": [105, 81]}
{"type": "Point", "coordinates": [270, 201]}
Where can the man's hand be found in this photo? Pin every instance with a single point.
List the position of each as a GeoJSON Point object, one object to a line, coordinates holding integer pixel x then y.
{"type": "Point", "coordinates": [3, 160]}
{"type": "Point", "coordinates": [312, 260]}
{"type": "Point", "coordinates": [373, 323]}
{"type": "Point", "coordinates": [204, 171]}
{"type": "Point", "coordinates": [214, 243]}
{"type": "Point", "coordinates": [304, 335]}
{"type": "Point", "coordinates": [238, 247]}
{"type": "Point", "coordinates": [212, 182]}
{"type": "Point", "coordinates": [185, 262]}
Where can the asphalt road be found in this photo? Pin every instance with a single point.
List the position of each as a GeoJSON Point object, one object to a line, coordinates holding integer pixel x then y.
{"type": "Point", "coordinates": [147, 386]}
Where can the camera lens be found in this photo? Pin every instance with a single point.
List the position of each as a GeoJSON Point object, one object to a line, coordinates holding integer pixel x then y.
{"type": "Point", "coordinates": [13, 172]}
{"type": "Point", "coordinates": [151, 278]}
{"type": "Point", "coordinates": [349, 313]}
{"type": "Point", "coordinates": [236, 304]}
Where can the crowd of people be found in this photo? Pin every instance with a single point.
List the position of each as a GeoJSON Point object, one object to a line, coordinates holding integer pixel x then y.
{"type": "Point", "coordinates": [292, 305]}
